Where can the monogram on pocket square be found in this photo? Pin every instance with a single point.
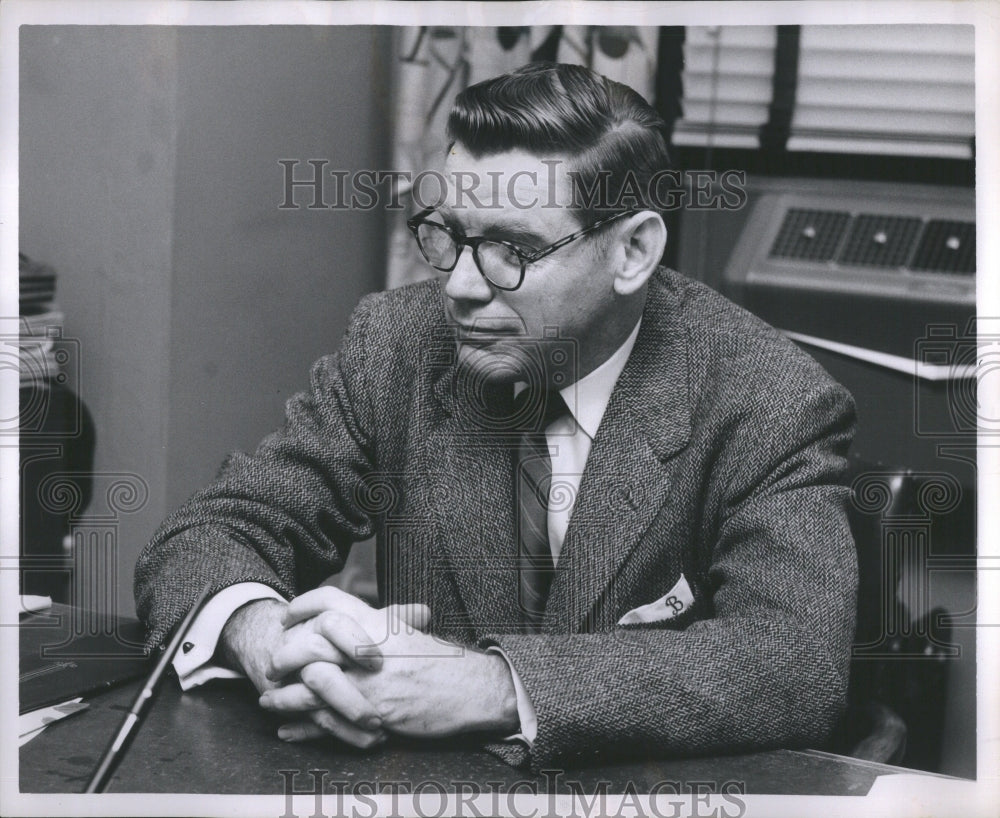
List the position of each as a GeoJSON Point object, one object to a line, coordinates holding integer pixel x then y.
{"type": "Point", "coordinates": [677, 600]}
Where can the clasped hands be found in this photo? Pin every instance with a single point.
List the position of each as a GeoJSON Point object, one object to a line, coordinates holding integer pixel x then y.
{"type": "Point", "coordinates": [358, 673]}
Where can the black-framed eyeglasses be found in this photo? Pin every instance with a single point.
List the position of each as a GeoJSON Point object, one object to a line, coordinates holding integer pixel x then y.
{"type": "Point", "coordinates": [502, 263]}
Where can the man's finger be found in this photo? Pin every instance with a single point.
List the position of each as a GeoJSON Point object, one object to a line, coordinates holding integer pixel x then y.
{"type": "Point", "coordinates": [330, 684]}
{"type": "Point", "coordinates": [325, 723]}
{"type": "Point", "coordinates": [347, 635]}
{"type": "Point", "coordinates": [325, 598]}
{"type": "Point", "coordinates": [300, 731]}
{"type": "Point", "coordinates": [415, 615]}
{"type": "Point", "coordinates": [300, 650]}
{"type": "Point", "coordinates": [293, 698]}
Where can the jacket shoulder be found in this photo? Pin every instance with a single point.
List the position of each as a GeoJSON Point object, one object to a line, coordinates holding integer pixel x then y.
{"type": "Point", "coordinates": [413, 310]}
{"type": "Point", "coordinates": [732, 349]}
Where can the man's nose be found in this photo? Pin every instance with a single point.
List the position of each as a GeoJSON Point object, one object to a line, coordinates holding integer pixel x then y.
{"type": "Point", "coordinates": [465, 282]}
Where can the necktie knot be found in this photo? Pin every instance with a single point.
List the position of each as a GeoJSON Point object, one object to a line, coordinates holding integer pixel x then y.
{"type": "Point", "coordinates": [536, 409]}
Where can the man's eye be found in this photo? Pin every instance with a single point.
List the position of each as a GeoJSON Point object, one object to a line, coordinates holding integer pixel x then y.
{"type": "Point", "coordinates": [510, 253]}
{"type": "Point", "coordinates": [493, 252]}
{"type": "Point", "coordinates": [452, 227]}
{"type": "Point", "coordinates": [516, 246]}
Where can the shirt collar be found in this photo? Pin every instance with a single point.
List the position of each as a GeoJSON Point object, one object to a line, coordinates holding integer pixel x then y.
{"type": "Point", "coordinates": [588, 398]}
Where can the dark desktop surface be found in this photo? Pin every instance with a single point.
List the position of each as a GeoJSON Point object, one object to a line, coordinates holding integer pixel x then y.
{"type": "Point", "coordinates": [216, 739]}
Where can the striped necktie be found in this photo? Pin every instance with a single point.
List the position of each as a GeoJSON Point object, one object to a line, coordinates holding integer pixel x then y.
{"type": "Point", "coordinates": [533, 479]}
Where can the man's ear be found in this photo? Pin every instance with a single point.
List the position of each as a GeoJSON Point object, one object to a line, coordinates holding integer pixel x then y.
{"type": "Point", "coordinates": [644, 238]}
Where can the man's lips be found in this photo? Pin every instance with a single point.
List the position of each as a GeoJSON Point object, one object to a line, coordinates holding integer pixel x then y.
{"type": "Point", "coordinates": [484, 337]}
{"type": "Point", "coordinates": [482, 340]}
{"type": "Point", "coordinates": [481, 328]}
{"type": "Point", "coordinates": [486, 330]}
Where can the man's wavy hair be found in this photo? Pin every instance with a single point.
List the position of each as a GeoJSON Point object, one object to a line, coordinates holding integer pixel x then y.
{"type": "Point", "coordinates": [614, 138]}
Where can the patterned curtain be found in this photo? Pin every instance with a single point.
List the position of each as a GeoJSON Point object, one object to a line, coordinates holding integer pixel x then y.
{"type": "Point", "coordinates": [433, 63]}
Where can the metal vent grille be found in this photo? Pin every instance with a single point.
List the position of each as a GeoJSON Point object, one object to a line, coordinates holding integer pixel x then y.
{"type": "Point", "coordinates": [833, 241]}
{"type": "Point", "coordinates": [947, 247]}
{"type": "Point", "coordinates": [812, 235]}
{"type": "Point", "coordinates": [880, 241]}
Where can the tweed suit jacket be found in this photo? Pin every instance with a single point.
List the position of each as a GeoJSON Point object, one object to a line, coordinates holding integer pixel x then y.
{"type": "Point", "coordinates": [718, 459]}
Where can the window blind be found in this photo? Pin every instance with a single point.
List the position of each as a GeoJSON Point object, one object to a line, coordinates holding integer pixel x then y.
{"type": "Point", "coordinates": [905, 90]}
{"type": "Point", "coordinates": [728, 73]}
{"type": "Point", "coordinates": [900, 89]}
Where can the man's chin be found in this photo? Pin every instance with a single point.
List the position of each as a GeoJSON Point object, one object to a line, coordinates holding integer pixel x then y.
{"type": "Point", "coordinates": [492, 362]}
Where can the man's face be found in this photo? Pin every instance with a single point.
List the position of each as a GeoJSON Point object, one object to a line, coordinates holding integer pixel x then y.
{"type": "Point", "coordinates": [520, 198]}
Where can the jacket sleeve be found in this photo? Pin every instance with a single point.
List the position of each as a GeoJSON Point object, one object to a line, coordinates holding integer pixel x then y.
{"type": "Point", "coordinates": [284, 516]}
{"type": "Point", "coordinates": [769, 668]}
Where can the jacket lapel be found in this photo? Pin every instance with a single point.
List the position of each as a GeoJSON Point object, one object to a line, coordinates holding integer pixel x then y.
{"type": "Point", "coordinates": [628, 472]}
{"type": "Point", "coordinates": [475, 463]}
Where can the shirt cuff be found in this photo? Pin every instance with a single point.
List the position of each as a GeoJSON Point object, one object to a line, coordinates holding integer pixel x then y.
{"type": "Point", "coordinates": [193, 661]}
{"type": "Point", "coordinates": [525, 709]}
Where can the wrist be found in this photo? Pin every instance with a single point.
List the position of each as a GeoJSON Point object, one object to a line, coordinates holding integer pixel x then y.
{"type": "Point", "coordinates": [496, 706]}
{"type": "Point", "coordinates": [246, 638]}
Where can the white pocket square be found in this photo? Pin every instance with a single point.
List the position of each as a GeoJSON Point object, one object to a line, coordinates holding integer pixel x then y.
{"type": "Point", "coordinates": [677, 600]}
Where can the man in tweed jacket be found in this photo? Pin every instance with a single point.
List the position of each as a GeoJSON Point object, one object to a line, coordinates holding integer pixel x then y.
{"type": "Point", "coordinates": [704, 591]}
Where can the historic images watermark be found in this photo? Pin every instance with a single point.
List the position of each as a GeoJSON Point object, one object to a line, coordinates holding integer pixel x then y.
{"type": "Point", "coordinates": [57, 494]}
{"type": "Point", "coordinates": [323, 188]}
{"type": "Point", "coordinates": [554, 796]}
{"type": "Point", "coordinates": [963, 360]}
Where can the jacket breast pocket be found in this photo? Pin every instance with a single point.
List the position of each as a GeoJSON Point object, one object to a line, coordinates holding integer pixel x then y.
{"type": "Point", "coordinates": [674, 609]}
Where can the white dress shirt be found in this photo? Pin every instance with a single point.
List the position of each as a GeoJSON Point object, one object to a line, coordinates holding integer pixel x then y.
{"type": "Point", "coordinates": [569, 439]}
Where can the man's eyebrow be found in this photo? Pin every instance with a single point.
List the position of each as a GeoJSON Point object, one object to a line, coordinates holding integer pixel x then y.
{"type": "Point", "coordinates": [515, 227]}
{"type": "Point", "coordinates": [521, 230]}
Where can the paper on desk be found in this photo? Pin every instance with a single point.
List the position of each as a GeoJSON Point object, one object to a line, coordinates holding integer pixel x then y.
{"type": "Point", "coordinates": [32, 604]}
{"type": "Point", "coordinates": [31, 724]}
{"type": "Point", "coordinates": [915, 793]}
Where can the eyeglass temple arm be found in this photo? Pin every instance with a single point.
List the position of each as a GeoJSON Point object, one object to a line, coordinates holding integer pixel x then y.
{"type": "Point", "coordinates": [533, 257]}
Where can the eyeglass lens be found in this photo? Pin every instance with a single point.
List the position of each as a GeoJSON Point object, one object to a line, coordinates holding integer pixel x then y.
{"type": "Point", "coordinates": [496, 261]}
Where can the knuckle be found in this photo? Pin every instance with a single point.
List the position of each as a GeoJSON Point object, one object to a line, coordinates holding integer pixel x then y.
{"type": "Point", "coordinates": [329, 619]}
{"type": "Point", "coordinates": [317, 644]}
